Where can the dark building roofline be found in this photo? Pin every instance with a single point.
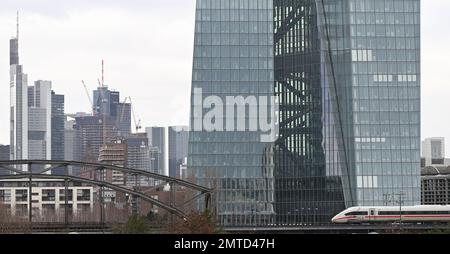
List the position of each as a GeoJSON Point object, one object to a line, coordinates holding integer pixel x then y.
{"type": "Point", "coordinates": [435, 170]}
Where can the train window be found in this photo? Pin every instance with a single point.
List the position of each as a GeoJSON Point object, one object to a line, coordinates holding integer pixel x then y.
{"type": "Point", "coordinates": [356, 213]}
{"type": "Point", "coordinates": [388, 213]}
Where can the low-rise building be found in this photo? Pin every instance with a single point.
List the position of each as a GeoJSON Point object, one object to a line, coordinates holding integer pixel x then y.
{"type": "Point", "coordinates": [435, 185]}
{"type": "Point", "coordinates": [48, 196]}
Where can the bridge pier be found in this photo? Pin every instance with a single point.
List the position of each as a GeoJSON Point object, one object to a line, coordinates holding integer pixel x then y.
{"type": "Point", "coordinates": [102, 215]}
{"type": "Point", "coordinates": [66, 202]}
{"type": "Point", "coordinates": [171, 200]}
{"type": "Point", "coordinates": [30, 198]}
{"type": "Point", "coordinates": [134, 205]}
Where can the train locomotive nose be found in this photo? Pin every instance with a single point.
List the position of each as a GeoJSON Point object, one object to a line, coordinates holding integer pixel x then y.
{"type": "Point", "coordinates": [334, 219]}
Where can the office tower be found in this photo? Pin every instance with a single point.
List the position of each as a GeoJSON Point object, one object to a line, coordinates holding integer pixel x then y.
{"type": "Point", "coordinates": [4, 152]}
{"type": "Point", "coordinates": [114, 103]}
{"type": "Point", "coordinates": [69, 140]}
{"type": "Point", "coordinates": [123, 119]}
{"type": "Point", "coordinates": [92, 133]}
{"type": "Point", "coordinates": [4, 156]}
{"type": "Point", "coordinates": [178, 146]}
{"type": "Point", "coordinates": [139, 157]}
{"type": "Point", "coordinates": [58, 123]}
{"type": "Point", "coordinates": [347, 77]}
{"type": "Point", "coordinates": [30, 114]}
{"type": "Point", "coordinates": [106, 101]}
{"type": "Point", "coordinates": [157, 138]}
{"type": "Point", "coordinates": [71, 144]}
{"type": "Point", "coordinates": [40, 121]}
{"type": "Point", "coordinates": [433, 148]}
{"type": "Point", "coordinates": [18, 103]}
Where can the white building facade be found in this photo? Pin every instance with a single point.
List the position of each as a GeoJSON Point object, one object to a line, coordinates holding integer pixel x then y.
{"type": "Point", "coordinates": [39, 120]}
{"type": "Point", "coordinates": [48, 196]}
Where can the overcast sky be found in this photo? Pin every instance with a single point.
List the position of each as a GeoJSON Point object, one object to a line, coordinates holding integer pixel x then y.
{"type": "Point", "coordinates": [147, 47]}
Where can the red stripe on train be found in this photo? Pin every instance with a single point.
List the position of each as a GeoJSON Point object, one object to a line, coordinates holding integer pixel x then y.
{"type": "Point", "coordinates": [347, 217]}
{"type": "Point", "coordinates": [409, 216]}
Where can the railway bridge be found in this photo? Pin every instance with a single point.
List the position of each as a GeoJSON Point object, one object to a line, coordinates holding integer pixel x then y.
{"type": "Point", "coordinates": [392, 228]}
{"type": "Point", "coordinates": [26, 169]}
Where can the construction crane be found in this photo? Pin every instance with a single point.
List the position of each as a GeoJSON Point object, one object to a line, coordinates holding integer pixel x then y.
{"type": "Point", "coordinates": [89, 97]}
{"type": "Point", "coordinates": [137, 124]}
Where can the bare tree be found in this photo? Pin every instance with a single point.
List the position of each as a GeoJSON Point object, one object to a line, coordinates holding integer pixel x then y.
{"type": "Point", "coordinates": [196, 223]}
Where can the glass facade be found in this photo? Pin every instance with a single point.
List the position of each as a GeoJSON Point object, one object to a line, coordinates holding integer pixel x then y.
{"type": "Point", "coordinates": [347, 77]}
{"type": "Point", "coordinates": [57, 138]}
{"type": "Point", "coordinates": [384, 65]}
{"type": "Point", "coordinates": [233, 56]}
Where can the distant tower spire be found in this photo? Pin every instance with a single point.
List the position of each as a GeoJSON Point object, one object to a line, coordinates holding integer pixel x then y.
{"type": "Point", "coordinates": [103, 73]}
{"type": "Point", "coordinates": [17, 25]}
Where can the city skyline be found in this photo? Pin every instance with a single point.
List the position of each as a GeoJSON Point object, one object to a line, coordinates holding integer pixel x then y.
{"type": "Point", "coordinates": [45, 50]}
{"type": "Point", "coordinates": [224, 116]}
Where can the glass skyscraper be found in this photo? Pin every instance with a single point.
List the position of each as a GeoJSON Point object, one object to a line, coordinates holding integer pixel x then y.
{"type": "Point", "coordinates": [178, 145]}
{"type": "Point", "coordinates": [347, 77]}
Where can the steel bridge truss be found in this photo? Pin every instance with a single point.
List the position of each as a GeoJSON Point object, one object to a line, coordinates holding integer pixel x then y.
{"type": "Point", "coordinates": [16, 168]}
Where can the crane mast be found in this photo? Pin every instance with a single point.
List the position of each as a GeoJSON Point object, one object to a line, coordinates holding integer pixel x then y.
{"type": "Point", "coordinates": [89, 97]}
{"type": "Point", "coordinates": [137, 124]}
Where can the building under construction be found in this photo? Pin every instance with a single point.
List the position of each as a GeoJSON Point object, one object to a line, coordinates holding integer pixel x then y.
{"type": "Point", "coordinates": [92, 132]}
{"type": "Point", "coordinates": [114, 153]}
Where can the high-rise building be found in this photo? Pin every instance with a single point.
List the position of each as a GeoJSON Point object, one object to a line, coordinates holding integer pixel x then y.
{"type": "Point", "coordinates": [71, 144]}
{"type": "Point", "coordinates": [92, 133]}
{"type": "Point", "coordinates": [69, 140]}
{"type": "Point", "coordinates": [106, 101]}
{"type": "Point", "coordinates": [4, 156]}
{"type": "Point", "coordinates": [157, 138]}
{"type": "Point", "coordinates": [58, 127]}
{"type": "Point", "coordinates": [40, 121]}
{"type": "Point", "coordinates": [114, 153]}
{"type": "Point", "coordinates": [433, 150]}
{"type": "Point", "coordinates": [58, 123]}
{"type": "Point", "coordinates": [178, 148]}
{"type": "Point", "coordinates": [18, 104]}
{"type": "Point", "coordinates": [31, 112]}
{"type": "Point", "coordinates": [139, 157]}
{"type": "Point", "coordinates": [123, 119]}
{"type": "Point", "coordinates": [346, 75]}
{"type": "Point", "coordinates": [4, 153]}
{"type": "Point", "coordinates": [114, 103]}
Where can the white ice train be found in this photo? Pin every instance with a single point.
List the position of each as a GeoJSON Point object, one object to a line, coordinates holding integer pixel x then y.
{"type": "Point", "coordinates": [383, 214]}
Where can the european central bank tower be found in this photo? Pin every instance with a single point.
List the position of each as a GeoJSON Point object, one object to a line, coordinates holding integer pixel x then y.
{"type": "Point", "coordinates": [346, 75]}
